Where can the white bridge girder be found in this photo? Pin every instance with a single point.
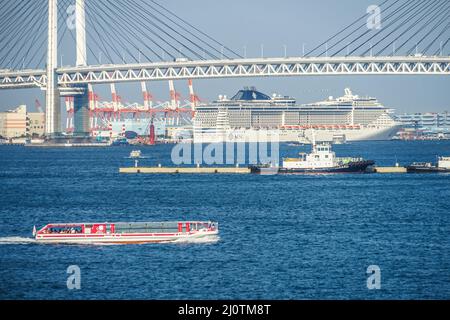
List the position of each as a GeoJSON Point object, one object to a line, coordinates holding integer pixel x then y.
{"type": "Point", "coordinates": [231, 69]}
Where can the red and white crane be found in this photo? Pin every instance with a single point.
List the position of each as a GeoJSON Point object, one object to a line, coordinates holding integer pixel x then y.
{"type": "Point", "coordinates": [192, 96]}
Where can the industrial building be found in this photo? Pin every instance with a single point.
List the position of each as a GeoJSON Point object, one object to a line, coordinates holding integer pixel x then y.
{"type": "Point", "coordinates": [18, 123]}
{"type": "Point", "coordinates": [35, 124]}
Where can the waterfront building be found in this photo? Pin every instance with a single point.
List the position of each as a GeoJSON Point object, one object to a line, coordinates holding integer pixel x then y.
{"type": "Point", "coordinates": [13, 123]}
{"type": "Point", "coordinates": [431, 121]}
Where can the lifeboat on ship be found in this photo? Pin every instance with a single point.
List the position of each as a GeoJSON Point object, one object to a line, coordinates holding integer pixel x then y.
{"type": "Point", "coordinates": [125, 232]}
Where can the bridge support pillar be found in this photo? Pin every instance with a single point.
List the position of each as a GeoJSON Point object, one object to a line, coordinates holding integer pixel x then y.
{"type": "Point", "coordinates": [81, 118]}
{"type": "Point", "coordinates": [81, 102]}
{"type": "Point", "coordinates": [52, 98]}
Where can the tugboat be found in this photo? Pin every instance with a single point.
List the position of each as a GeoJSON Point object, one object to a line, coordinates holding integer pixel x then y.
{"type": "Point", "coordinates": [125, 232]}
{"type": "Point", "coordinates": [442, 166]}
{"type": "Point", "coordinates": [321, 160]}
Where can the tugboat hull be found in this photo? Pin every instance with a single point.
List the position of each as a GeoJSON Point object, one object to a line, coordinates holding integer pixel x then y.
{"type": "Point", "coordinates": [412, 169]}
{"type": "Point", "coordinates": [351, 167]}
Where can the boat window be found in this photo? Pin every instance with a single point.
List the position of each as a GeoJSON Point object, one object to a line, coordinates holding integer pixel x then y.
{"type": "Point", "coordinates": [154, 227]}
{"type": "Point", "coordinates": [64, 230]}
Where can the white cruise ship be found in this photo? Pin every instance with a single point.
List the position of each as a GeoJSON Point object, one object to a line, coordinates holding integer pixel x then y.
{"type": "Point", "coordinates": [252, 116]}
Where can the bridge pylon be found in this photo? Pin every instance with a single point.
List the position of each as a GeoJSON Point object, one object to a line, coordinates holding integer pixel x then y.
{"type": "Point", "coordinates": [52, 97]}
{"type": "Point", "coordinates": [82, 125]}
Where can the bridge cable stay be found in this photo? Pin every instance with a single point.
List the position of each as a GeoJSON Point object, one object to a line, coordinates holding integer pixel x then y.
{"type": "Point", "coordinates": [66, 3]}
{"type": "Point", "coordinates": [363, 17]}
{"type": "Point", "coordinates": [139, 31]}
{"type": "Point", "coordinates": [113, 34]}
{"type": "Point", "coordinates": [172, 35]}
{"type": "Point", "coordinates": [439, 50]}
{"type": "Point", "coordinates": [90, 22]}
{"type": "Point", "coordinates": [190, 32]}
{"type": "Point", "coordinates": [196, 29]}
{"type": "Point", "coordinates": [28, 34]}
{"type": "Point", "coordinates": [119, 31]}
{"type": "Point", "coordinates": [111, 39]}
{"type": "Point", "coordinates": [61, 23]}
{"type": "Point", "coordinates": [392, 18]}
{"type": "Point", "coordinates": [175, 32]}
{"type": "Point", "coordinates": [11, 11]}
{"type": "Point", "coordinates": [19, 37]}
{"type": "Point", "coordinates": [433, 28]}
{"type": "Point", "coordinates": [33, 50]}
{"type": "Point", "coordinates": [116, 36]}
{"type": "Point", "coordinates": [401, 20]}
{"type": "Point", "coordinates": [106, 39]}
{"type": "Point", "coordinates": [162, 31]}
{"type": "Point", "coordinates": [61, 26]}
{"type": "Point", "coordinates": [388, 15]}
{"type": "Point", "coordinates": [409, 25]}
{"type": "Point", "coordinates": [435, 39]}
{"type": "Point", "coordinates": [17, 31]}
{"type": "Point", "coordinates": [134, 31]}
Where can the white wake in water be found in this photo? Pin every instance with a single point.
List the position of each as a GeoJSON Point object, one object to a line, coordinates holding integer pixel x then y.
{"type": "Point", "coordinates": [16, 240]}
{"type": "Point", "coordinates": [206, 240]}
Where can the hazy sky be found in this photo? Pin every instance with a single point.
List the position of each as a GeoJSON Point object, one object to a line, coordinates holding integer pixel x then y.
{"type": "Point", "coordinates": [250, 23]}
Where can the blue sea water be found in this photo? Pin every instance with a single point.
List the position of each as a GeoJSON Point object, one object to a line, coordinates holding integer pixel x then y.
{"type": "Point", "coordinates": [281, 237]}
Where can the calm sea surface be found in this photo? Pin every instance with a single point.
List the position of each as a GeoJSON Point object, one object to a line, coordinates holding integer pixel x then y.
{"type": "Point", "coordinates": [281, 237]}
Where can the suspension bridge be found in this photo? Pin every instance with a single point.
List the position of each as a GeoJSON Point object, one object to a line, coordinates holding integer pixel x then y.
{"type": "Point", "coordinates": [143, 41]}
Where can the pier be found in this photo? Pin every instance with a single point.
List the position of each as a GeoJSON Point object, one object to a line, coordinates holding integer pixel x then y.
{"type": "Point", "coordinates": [185, 170]}
{"type": "Point", "coordinates": [224, 170]}
{"type": "Point", "coordinates": [390, 170]}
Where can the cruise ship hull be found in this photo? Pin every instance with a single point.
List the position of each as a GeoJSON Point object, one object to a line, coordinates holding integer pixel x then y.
{"type": "Point", "coordinates": [294, 135]}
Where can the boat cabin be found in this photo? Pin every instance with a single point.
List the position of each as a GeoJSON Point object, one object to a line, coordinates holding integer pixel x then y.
{"type": "Point", "coordinates": [321, 157]}
{"type": "Point", "coordinates": [444, 162]}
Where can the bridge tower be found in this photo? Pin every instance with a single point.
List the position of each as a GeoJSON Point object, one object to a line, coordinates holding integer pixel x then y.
{"type": "Point", "coordinates": [52, 101]}
{"type": "Point", "coordinates": [81, 101]}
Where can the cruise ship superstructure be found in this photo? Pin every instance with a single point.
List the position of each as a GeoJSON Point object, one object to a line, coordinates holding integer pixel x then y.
{"type": "Point", "coordinates": [253, 116]}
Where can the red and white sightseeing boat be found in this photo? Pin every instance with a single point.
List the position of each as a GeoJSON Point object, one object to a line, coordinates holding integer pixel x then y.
{"type": "Point", "coordinates": [125, 232]}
